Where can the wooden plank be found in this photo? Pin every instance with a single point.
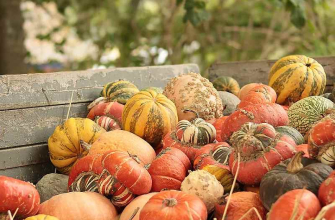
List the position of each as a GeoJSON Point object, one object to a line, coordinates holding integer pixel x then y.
{"type": "Point", "coordinates": [257, 71]}
{"type": "Point", "coordinates": [45, 89]}
{"type": "Point", "coordinates": [32, 173]}
{"type": "Point", "coordinates": [34, 125]}
{"type": "Point", "coordinates": [23, 156]}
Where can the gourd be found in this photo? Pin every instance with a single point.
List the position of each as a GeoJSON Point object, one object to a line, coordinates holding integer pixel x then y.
{"type": "Point", "coordinates": [295, 173]}
{"type": "Point", "coordinates": [296, 77]}
{"type": "Point", "coordinates": [65, 144]}
{"type": "Point", "coordinates": [226, 83]}
{"type": "Point", "coordinates": [149, 115]}
{"type": "Point", "coordinates": [119, 91]}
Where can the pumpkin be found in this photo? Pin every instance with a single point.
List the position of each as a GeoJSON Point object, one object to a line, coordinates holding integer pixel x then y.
{"type": "Point", "coordinates": [292, 132]}
{"type": "Point", "coordinates": [149, 115]}
{"type": "Point", "coordinates": [79, 205]}
{"type": "Point", "coordinates": [222, 175]}
{"type": "Point", "coordinates": [126, 141]}
{"type": "Point", "coordinates": [218, 125]}
{"type": "Point", "coordinates": [246, 88]}
{"type": "Point", "coordinates": [260, 148]}
{"type": "Point", "coordinates": [272, 114]}
{"type": "Point", "coordinates": [304, 113]}
{"type": "Point", "coordinates": [204, 185]}
{"type": "Point", "coordinates": [229, 102]}
{"type": "Point", "coordinates": [123, 176]}
{"type": "Point", "coordinates": [304, 148]}
{"type": "Point", "coordinates": [213, 154]}
{"type": "Point", "coordinates": [296, 204]}
{"type": "Point", "coordinates": [326, 191]}
{"type": "Point", "coordinates": [65, 143]}
{"type": "Point", "coordinates": [321, 140]}
{"type": "Point", "coordinates": [168, 205]}
{"type": "Point", "coordinates": [296, 77]}
{"type": "Point", "coordinates": [156, 89]}
{"type": "Point", "coordinates": [240, 204]}
{"type": "Point", "coordinates": [258, 95]}
{"type": "Point", "coordinates": [42, 217]}
{"type": "Point", "coordinates": [107, 123]}
{"type": "Point", "coordinates": [327, 212]}
{"type": "Point", "coordinates": [134, 208]}
{"type": "Point", "coordinates": [20, 195]}
{"type": "Point", "coordinates": [296, 173]}
{"type": "Point", "coordinates": [169, 169]}
{"type": "Point", "coordinates": [226, 83]}
{"type": "Point", "coordinates": [194, 92]}
{"type": "Point", "coordinates": [119, 91]}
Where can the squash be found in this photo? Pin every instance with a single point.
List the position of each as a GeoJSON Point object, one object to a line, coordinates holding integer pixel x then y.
{"type": "Point", "coordinates": [272, 114]}
{"type": "Point", "coordinates": [65, 146]}
{"type": "Point", "coordinates": [194, 92]}
{"type": "Point", "coordinates": [126, 141]}
{"type": "Point", "coordinates": [79, 205]}
{"type": "Point", "coordinates": [171, 204]}
{"type": "Point", "coordinates": [240, 204]}
{"type": "Point", "coordinates": [304, 113]}
{"type": "Point", "coordinates": [223, 175]}
{"type": "Point", "coordinates": [258, 95]}
{"type": "Point", "coordinates": [213, 154]}
{"type": "Point", "coordinates": [321, 140]}
{"type": "Point", "coordinates": [227, 84]}
{"type": "Point", "coordinates": [134, 208]}
{"type": "Point", "coordinates": [149, 115]}
{"type": "Point", "coordinates": [326, 193]}
{"type": "Point", "coordinates": [169, 169]}
{"type": "Point", "coordinates": [296, 77]}
{"type": "Point", "coordinates": [246, 88]}
{"type": "Point", "coordinates": [292, 132]}
{"type": "Point", "coordinates": [119, 91]}
{"type": "Point", "coordinates": [260, 148]}
{"type": "Point", "coordinates": [42, 217]}
{"type": "Point", "coordinates": [229, 102]}
{"type": "Point", "coordinates": [296, 173]}
{"type": "Point", "coordinates": [296, 204]}
{"type": "Point", "coordinates": [204, 185]}
{"type": "Point", "coordinates": [156, 89]}
{"type": "Point", "coordinates": [218, 125]}
{"type": "Point", "coordinates": [18, 194]}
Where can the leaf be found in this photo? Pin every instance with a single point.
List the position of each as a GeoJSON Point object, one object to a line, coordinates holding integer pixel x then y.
{"type": "Point", "coordinates": [179, 2]}
{"type": "Point", "coordinates": [199, 4]}
{"type": "Point", "coordinates": [189, 5]}
{"type": "Point", "coordinates": [298, 17]}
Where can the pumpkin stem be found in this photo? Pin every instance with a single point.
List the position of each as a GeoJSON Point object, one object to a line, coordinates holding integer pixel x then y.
{"type": "Point", "coordinates": [170, 202]}
{"type": "Point", "coordinates": [308, 64]}
{"type": "Point", "coordinates": [190, 110]}
{"type": "Point", "coordinates": [84, 145]}
{"type": "Point", "coordinates": [295, 164]}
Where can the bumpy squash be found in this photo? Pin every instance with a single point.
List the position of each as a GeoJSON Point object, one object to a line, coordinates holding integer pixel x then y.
{"type": "Point", "coordinates": [304, 113]}
{"type": "Point", "coordinates": [149, 115]}
{"type": "Point", "coordinates": [119, 91]}
{"type": "Point", "coordinates": [42, 217]}
{"type": "Point", "coordinates": [65, 143]}
{"type": "Point", "coordinates": [226, 83]}
{"type": "Point", "coordinates": [296, 77]}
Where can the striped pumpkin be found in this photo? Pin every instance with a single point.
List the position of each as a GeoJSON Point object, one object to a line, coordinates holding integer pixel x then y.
{"type": "Point", "coordinates": [296, 77]}
{"type": "Point", "coordinates": [226, 83]}
{"type": "Point", "coordinates": [149, 115]}
{"type": "Point", "coordinates": [65, 146]}
{"type": "Point", "coordinates": [108, 123]}
{"type": "Point", "coordinates": [304, 113]}
{"type": "Point", "coordinates": [292, 132]}
{"type": "Point", "coordinates": [119, 91]}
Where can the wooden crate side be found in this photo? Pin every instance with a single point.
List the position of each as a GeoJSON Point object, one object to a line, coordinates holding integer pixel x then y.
{"type": "Point", "coordinates": [45, 89]}
{"type": "Point", "coordinates": [257, 71]}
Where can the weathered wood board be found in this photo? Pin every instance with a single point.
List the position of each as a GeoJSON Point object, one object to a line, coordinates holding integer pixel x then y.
{"type": "Point", "coordinates": [32, 105]}
{"type": "Point", "coordinates": [257, 71]}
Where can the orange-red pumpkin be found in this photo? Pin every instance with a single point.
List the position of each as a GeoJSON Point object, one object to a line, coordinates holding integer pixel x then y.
{"type": "Point", "coordinates": [245, 89]}
{"type": "Point", "coordinates": [304, 148]}
{"type": "Point", "coordinates": [327, 190]}
{"type": "Point", "coordinates": [218, 125]}
{"type": "Point", "coordinates": [259, 95]}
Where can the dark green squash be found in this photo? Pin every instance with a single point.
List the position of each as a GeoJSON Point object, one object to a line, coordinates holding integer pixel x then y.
{"type": "Point", "coordinates": [226, 83]}
{"type": "Point", "coordinates": [295, 173]}
{"type": "Point", "coordinates": [292, 132]}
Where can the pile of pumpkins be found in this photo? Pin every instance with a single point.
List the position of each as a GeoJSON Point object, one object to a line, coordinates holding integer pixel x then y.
{"type": "Point", "coordinates": [194, 151]}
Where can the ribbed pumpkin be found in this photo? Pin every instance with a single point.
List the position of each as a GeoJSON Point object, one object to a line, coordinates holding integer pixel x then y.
{"type": "Point", "coordinates": [246, 88]}
{"type": "Point", "coordinates": [156, 89]}
{"type": "Point", "coordinates": [258, 95]}
{"type": "Point", "coordinates": [119, 91]}
{"type": "Point", "coordinates": [42, 217]}
{"type": "Point", "coordinates": [226, 83]}
{"type": "Point", "coordinates": [292, 132]}
{"type": "Point", "coordinates": [304, 113]}
{"type": "Point", "coordinates": [296, 77]}
{"type": "Point", "coordinates": [65, 143]}
{"type": "Point", "coordinates": [222, 175]}
{"type": "Point", "coordinates": [149, 115]}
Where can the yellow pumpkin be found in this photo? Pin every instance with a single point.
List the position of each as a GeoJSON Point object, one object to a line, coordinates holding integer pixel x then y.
{"type": "Point", "coordinates": [42, 217]}
{"type": "Point", "coordinates": [149, 115]}
{"type": "Point", "coordinates": [296, 77]}
{"type": "Point", "coordinates": [66, 144]}
{"type": "Point", "coordinates": [223, 175]}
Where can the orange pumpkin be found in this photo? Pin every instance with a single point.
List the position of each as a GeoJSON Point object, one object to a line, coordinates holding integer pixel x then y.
{"type": "Point", "coordinates": [218, 125]}
{"type": "Point", "coordinates": [258, 95]}
{"type": "Point", "coordinates": [245, 89]}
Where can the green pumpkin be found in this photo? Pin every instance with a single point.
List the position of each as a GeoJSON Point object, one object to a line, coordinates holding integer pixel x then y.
{"type": "Point", "coordinates": [304, 113]}
{"type": "Point", "coordinates": [226, 83]}
{"type": "Point", "coordinates": [119, 91]}
{"type": "Point", "coordinates": [292, 132]}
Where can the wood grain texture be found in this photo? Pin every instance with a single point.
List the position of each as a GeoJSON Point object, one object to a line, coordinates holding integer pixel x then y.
{"type": "Point", "coordinates": [45, 89]}
{"type": "Point", "coordinates": [29, 126]}
{"type": "Point", "coordinates": [257, 71]}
